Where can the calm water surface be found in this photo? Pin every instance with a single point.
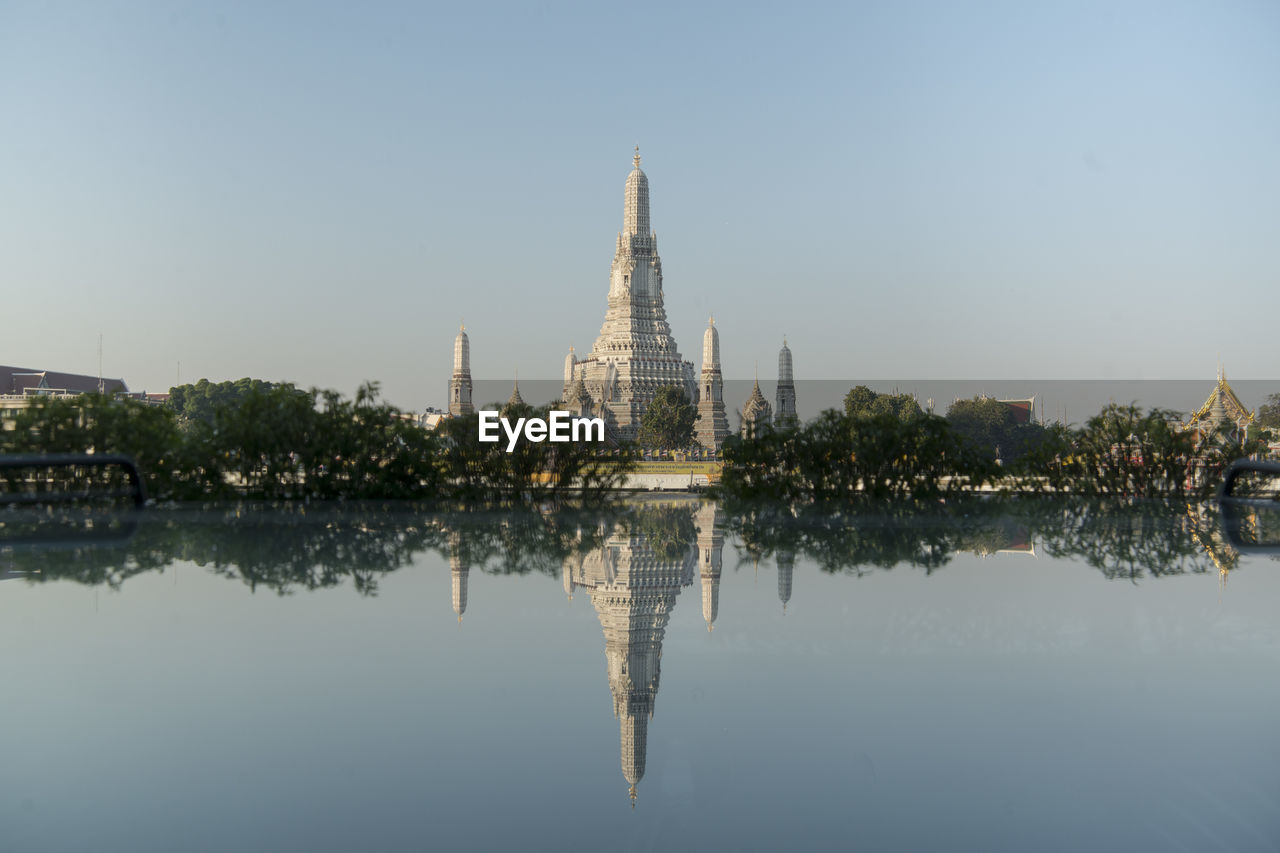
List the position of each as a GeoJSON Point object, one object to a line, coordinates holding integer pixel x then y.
{"type": "Point", "coordinates": [675, 676]}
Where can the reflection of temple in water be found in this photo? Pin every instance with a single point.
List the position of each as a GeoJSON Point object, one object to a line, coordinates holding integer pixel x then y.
{"type": "Point", "coordinates": [1202, 523]}
{"type": "Point", "coordinates": [633, 581]}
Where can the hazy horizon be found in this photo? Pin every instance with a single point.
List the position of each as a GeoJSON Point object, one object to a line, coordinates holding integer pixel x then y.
{"type": "Point", "coordinates": [321, 193]}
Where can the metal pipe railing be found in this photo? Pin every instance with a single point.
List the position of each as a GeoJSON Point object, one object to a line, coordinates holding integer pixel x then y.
{"type": "Point", "coordinates": [136, 492]}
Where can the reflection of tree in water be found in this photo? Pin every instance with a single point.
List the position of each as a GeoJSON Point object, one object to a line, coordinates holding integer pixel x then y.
{"type": "Point", "coordinates": [87, 547]}
{"type": "Point", "coordinates": [1127, 539]}
{"type": "Point", "coordinates": [292, 553]}
{"type": "Point", "coordinates": [839, 540]}
{"type": "Point", "coordinates": [1122, 539]}
{"type": "Point", "coordinates": [279, 548]}
{"type": "Point", "coordinates": [288, 548]}
{"type": "Point", "coordinates": [521, 541]}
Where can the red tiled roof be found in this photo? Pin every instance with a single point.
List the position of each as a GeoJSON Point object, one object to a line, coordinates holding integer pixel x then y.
{"type": "Point", "coordinates": [1022, 409]}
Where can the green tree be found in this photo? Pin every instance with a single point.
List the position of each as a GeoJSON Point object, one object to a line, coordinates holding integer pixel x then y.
{"type": "Point", "coordinates": [991, 428]}
{"type": "Point", "coordinates": [200, 401]}
{"type": "Point", "coordinates": [286, 443]}
{"type": "Point", "coordinates": [1269, 412]}
{"type": "Point", "coordinates": [96, 423]}
{"type": "Point", "coordinates": [984, 423]}
{"type": "Point", "coordinates": [667, 423]}
{"type": "Point", "coordinates": [838, 457]}
{"type": "Point", "coordinates": [1125, 451]}
{"type": "Point", "coordinates": [861, 401]}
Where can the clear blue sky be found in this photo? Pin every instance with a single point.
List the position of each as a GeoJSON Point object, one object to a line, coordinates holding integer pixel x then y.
{"type": "Point", "coordinates": [320, 192]}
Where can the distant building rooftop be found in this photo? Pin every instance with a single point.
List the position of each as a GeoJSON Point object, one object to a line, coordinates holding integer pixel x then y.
{"type": "Point", "coordinates": [24, 381]}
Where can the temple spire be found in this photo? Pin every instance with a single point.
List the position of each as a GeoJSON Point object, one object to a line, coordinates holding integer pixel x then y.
{"type": "Point", "coordinates": [785, 411]}
{"type": "Point", "coordinates": [713, 423]}
{"type": "Point", "coordinates": [635, 353]}
{"type": "Point", "coordinates": [516, 399]}
{"type": "Point", "coordinates": [460, 379]}
{"type": "Point", "coordinates": [635, 208]}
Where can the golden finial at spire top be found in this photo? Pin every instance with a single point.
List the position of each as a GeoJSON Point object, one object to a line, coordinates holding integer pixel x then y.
{"type": "Point", "coordinates": [636, 160]}
{"type": "Point", "coordinates": [712, 320]}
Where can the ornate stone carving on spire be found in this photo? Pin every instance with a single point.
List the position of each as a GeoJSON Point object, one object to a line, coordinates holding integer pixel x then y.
{"type": "Point", "coordinates": [785, 413]}
{"type": "Point", "coordinates": [460, 381]}
{"type": "Point", "coordinates": [713, 423]}
{"type": "Point", "coordinates": [635, 354]}
{"type": "Point", "coordinates": [635, 206]}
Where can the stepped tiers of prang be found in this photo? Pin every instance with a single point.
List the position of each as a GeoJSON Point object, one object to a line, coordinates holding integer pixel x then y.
{"type": "Point", "coordinates": [635, 354]}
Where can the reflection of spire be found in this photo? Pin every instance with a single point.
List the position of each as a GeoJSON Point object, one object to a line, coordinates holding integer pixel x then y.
{"type": "Point", "coordinates": [1209, 537]}
{"type": "Point", "coordinates": [459, 568]}
{"type": "Point", "coordinates": [786, 563]}
{"type": "Point", "coordinates": [710, 543]}
{"type": "Point", "coordinates": [633, 589]}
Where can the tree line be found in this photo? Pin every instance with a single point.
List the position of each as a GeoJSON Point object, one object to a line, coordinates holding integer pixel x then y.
{"type": "Point", "coordinates": [276, 441]}
{"type": "Point", "coordinates": [885, 446]}
{"type": "Point", "coordinates": [279, 442]}
{"type": "Point", "coordinates": [297, 547]}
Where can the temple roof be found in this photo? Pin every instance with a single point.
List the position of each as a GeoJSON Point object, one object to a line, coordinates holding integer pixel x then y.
{"type": "Point", "coordinates": [1222, 402]}
{"type": "Point", "coordinates": [757, 406]}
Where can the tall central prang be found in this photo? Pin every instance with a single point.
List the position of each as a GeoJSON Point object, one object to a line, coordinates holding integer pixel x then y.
{"type": "Point", "coordinates": [635, 354]}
